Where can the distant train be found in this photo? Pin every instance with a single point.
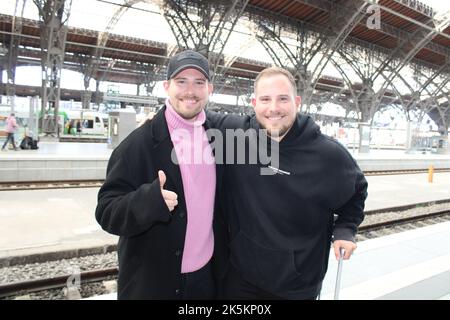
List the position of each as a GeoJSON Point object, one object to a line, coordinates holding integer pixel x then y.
{"type": "Point", "coordinates": [91, 122]}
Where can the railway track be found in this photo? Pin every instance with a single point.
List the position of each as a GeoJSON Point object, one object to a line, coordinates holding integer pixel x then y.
{"type": "Point", "coordinates": [365, 230]}
{"type": "Point", "coordinates": [397, 172]}
{"type": "Point", "coordinates": [402, 221]}
{"type": "Point", "coordinates": [36, 185]}
{"type": "Point", "coordinates": [50, 185]}
{"type": "Point", "coordinates": [60, 282]}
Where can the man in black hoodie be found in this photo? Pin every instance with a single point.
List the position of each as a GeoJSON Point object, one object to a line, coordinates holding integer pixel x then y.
{"type": "Point", "coordinates": [281, 224]}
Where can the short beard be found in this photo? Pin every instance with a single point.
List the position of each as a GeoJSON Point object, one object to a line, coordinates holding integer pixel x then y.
{"type": "Point", "coordinates": [187, 117]}
{"type": "Point", "coordinates": [277, 133]}
{"type": "Point", "coordinates": [190, 117]}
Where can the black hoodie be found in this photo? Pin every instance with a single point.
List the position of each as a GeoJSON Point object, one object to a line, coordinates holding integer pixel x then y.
{"type": "Point", "coordinates": [281, 225]}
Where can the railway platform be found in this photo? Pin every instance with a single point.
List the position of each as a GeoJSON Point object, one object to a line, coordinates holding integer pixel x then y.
{"type": "Point", "coordinates": [55, 161]}
{"type": "Point", "coordinates": [69, 161]}
{"type": "Point", "coordinates": [411, 265]}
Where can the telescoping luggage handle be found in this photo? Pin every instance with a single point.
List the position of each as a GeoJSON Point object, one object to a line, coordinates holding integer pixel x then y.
{"type": "Point", "coordinates": [337, 287]}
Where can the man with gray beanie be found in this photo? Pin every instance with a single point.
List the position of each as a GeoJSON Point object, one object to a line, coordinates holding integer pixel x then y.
{"type": "Point", "coordinates": [159, 196]}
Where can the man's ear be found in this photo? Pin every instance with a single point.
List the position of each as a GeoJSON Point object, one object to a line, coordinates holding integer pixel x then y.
{"type": "Point", "coordinates": [166, 85]}
{"type": "Point", "coordinates": [210, 88]}
{"type": "Point", "coordinates": [254, 102]}
{"type": "Point", "coordinates": [298, 102]}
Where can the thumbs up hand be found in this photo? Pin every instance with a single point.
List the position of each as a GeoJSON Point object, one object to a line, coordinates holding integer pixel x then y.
{"type": "Point", "coordinates": [169, 197]}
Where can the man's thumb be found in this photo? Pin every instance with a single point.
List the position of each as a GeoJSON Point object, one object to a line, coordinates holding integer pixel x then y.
{"type": "Point", "coordinates": [162, 178]}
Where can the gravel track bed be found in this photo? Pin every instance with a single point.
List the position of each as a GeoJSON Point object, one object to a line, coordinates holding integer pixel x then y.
{"type": "Point", "coordinates": [386, 216]}
{"type": "Point", "coordinates": [57, 268]}
{"type": "Point", "coordinates": [109, 260]}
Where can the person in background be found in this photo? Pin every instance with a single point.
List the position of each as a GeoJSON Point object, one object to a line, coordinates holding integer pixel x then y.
{"type": "Point", "coordinates": [11, 128]}
{"type": "Point", "coordinates": [78, 125]}
{"type": "Point", "coordinates": [68, 127]}
{"type": "Point", "coordinates": [28, 142]}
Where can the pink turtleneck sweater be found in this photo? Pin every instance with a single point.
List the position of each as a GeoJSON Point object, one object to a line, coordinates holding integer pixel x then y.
{"type": "Point", "coordinates": [198, 172]}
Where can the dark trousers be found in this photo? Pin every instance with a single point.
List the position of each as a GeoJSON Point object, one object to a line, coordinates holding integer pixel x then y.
{"type": "Point", "coordinates": [234, 287]}
{"type": "Point", "coordinates": [198, 285]}
{"type": "Point", "coordinates": [10, 137]}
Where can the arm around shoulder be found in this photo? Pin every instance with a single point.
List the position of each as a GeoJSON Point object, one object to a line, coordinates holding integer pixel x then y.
{"type": "Point", "coordinates": [227, 121]}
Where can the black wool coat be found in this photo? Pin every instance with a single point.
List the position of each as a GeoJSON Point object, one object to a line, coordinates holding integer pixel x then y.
{"type": "Point", "coordinates": [131, 206]}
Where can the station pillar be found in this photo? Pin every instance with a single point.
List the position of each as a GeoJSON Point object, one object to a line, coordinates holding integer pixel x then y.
{"type": "Point", "coordinates": [121, 123]}
{"type": "Point", "coordinates": [364, 137]}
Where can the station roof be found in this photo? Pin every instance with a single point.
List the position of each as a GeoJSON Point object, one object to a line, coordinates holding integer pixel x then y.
{"type": "Point", "coordinates": [398, 17]}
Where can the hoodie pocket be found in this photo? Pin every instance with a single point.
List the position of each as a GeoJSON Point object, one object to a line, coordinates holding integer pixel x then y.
{"type": "Point", "coordinates": [267, 268]}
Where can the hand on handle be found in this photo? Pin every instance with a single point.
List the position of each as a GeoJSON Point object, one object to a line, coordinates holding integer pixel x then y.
{"type": "Point", "coordinates": [347, 246]}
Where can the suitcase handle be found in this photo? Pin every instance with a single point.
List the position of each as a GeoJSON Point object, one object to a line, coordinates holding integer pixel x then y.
{"type": "Point", "coordinates": [337, 287]}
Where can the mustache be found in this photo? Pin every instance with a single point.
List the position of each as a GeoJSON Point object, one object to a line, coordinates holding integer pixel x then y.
{"type": "Point", "coordinates": [274, 114]}
{"type": "Point", "coordinates": [189, 97]}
